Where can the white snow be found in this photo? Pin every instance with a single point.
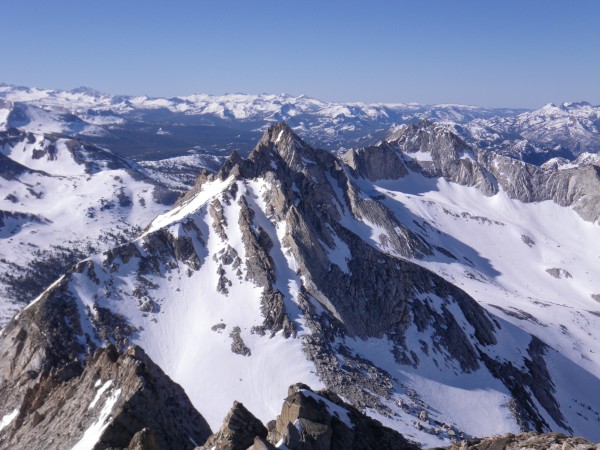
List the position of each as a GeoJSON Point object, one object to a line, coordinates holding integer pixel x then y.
{"type": "Point", "coordinates": [99, 393]}
{"type": "Point", "coordinates": [8, 418]}
{"type": "Point", "coordinates": [481, 399]}
{"type": "Point", "coordinates": [421, 156]}
{"type": "Point", "coordinates": [340, 254]}
{"type": "Point", "coordinates": [279, 136]}
{"type": "Point", "coordinates": [94, 432]}
{"type": "Point", "coordinates": [180, 339]}
{"type": "Point", "coordinates": [208, 191]}
{"type": "Point", "coordinates": [4, 112]}
{"type": "Point", "coordinates": [510, 274]}
{"type": "Point", "coordinates": [70, 209]}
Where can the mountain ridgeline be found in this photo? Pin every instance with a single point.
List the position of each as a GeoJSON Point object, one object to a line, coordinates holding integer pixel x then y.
{"type": "Point", "coordinates": [294, 265]}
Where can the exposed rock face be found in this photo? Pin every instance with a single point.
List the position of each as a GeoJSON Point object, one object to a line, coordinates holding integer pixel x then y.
{"type": "Point", "coordinates": [577, 187]}
{"type": "Point", "coordinates": [237, 344]}
{"type": "Point", "coordinates": [434, 151]}
{"type": "Point", "coordinates": [115, 401]}
{"type": "Point", "coordinates": [377, 162]}
{"type": "Point", "coordinates": [450, 157]}
{"type": "Point", "coordinates": [322, 421]}
{"type": "Point", "coordinates": [308, 421]}
{"type": "Point", "coordinates": [239, 431]}
{"type": "Point", "coordinates": [533, 441]}
{"type": "Point", "coordinates": [425, 148]}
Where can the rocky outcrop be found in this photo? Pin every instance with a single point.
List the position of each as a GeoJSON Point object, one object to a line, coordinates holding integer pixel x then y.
{"type": "Point", "coordinates": [239, 431]}
{"type": "Point", "coordinates": [308, 421]}
{"type": "Point", "coordinates": [322, 421]}
{"type": "Point", "coordinates": [377, 162]}
{"type": "Point", "coordinates": [578, 187]}
{"type": "Point", "coordinates": [436, 152]}
{"type": "Point", "coordinates": [117, 400]}
{"type": "Point", "coordinates": [426, 148]}
{"type": "Point", "coordinates": [530, 441]}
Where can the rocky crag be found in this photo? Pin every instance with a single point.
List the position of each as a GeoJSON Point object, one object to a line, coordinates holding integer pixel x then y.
{"type": "Point", "coordinates": [436, 152]}
{"type": "Point", "coordinates": [115, 401]}
{"type": "Point", "coordinates": [308, 420]}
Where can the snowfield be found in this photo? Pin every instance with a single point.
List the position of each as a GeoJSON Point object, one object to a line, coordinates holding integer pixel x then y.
{"type": "Point", "coordinates": [59, 205]}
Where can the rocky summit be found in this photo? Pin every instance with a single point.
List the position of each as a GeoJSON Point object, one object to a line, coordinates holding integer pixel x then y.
{"type": "Point", "coordinates": [419, 285]}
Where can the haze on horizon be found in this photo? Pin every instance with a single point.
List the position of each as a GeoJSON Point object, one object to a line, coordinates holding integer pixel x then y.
{"type": "Point", "coordinates": [495, 53]}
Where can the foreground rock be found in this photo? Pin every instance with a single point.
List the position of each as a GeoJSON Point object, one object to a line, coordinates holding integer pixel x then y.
{"type": "Point", "coordinates": [308, 420]}
{"type": "Point", "coordinates": [117, 401]}
{"type": "Point", "coordinates": [529, 441]}
{"type": "Point", "coordinates": [239, 431]}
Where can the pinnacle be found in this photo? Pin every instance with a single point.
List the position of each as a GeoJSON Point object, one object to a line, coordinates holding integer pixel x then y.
{"type": "Point", "coordinates": [278, 132]}
{"type": "Point", "coordinates": [286, 143]}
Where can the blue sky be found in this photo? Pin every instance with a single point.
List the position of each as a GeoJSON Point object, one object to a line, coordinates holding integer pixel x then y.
{"type": "Point", "coordinates": [510, 53]}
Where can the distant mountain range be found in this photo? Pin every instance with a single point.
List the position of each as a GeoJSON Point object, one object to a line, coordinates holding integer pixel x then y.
{"type": "Point", "coordinates": [156, 128]}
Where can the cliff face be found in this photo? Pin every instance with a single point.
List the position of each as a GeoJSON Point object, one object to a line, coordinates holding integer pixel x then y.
{"type": "Point", "coordinates": [118, 400]}
{"type": "Point", "coordinates": [434, 151]}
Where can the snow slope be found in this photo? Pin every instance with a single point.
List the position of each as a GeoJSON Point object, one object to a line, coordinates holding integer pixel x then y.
{"type": "Point", "coordinates": [503, 254]}
{"type": "Point", "coordinates": [187, 331]}
{"type": "Point", "coordinates": [69, 199]}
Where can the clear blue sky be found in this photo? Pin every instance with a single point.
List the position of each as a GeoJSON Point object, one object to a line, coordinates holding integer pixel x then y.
{"type": "Point", "coordinates": [515, 53]}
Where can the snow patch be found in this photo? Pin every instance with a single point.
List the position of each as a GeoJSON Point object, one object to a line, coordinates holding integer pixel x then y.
{"type": "Point", "coordinates": [8, 418]}
{"type": "Point", "coordinates": [91, 436]}
{"type": "Point", "coordinates": [101, 391]}
{"type": "Point", "coordinates": [340, 254]}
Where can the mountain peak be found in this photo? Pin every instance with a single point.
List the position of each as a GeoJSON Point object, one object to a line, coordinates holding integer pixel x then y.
{"type": "Point", "coordinates": [281, 131]}
{"type": "Point", "coordinates": [86, 90]}
{"type": "Point", "coordinates": [282, 139]}
{"type": "Point", "coordinates": [424, 129]}
{"type": "Point", "coordinates": [581, 104]}
{"type": "Point", "coordinates": [278, 141]}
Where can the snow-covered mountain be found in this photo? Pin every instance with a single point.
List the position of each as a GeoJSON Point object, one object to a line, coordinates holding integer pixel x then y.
{"type": "Point", "coordinates": [444, 290]}
{"type": "Point", "coordinates": [63, 199]}
{"type": "Point", "coordinates": [157, 128]}
{"type": "Point", "coordinates": [209, 127]}
{"type": "Point", "coordinates": [566, 130]}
